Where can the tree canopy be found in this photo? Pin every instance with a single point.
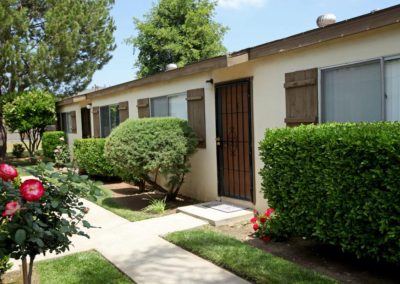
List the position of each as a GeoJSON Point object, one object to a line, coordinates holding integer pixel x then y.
{"type": "Point", "coordinates": [55, 45]}
{"type": "Point", "coordinates": [29, 113]}
{"type": "Point", "coordinates": [177, 31]}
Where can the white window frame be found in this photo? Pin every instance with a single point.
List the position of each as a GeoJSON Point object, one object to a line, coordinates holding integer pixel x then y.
{"type": "Point", "coordinates": [167, 96]}
{"type": "Point", "coordinates": [382, 61]}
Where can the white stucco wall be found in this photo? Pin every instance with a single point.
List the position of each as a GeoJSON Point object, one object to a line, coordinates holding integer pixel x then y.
{"type": "Point", "coordinates": [268, 97]}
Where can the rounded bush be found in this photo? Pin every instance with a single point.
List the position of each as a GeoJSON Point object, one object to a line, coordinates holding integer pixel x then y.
{"type": "Point", "coordinates": [89, 155]}
{"type": "Point", "coordinates": [50, 141]}
{"type": "Point", "coordinates": [141, 147]}
{"type": "Point", "coordinates": [338, 183]}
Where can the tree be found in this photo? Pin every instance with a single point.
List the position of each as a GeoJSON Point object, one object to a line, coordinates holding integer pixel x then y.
{"type": "Point", "coordinates": [177, 31]}
{"type": "Point", "coordinates": [29, 113]}
{"type": "Point", "coordinates": [53, 45]}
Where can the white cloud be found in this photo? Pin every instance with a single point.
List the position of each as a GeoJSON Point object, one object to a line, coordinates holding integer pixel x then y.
{"type": "Point", "coordinates": [241, 3]}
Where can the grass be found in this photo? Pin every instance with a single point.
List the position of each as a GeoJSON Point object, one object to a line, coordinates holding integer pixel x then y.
{"type": "Point", "coordinates": [244, 260]}
{"type": "Point", "coordinates": [156, 206]}
{"type": "Point", "coordinates": [85, 267]}
{"type": "Point", "coordinates": [108, 203]}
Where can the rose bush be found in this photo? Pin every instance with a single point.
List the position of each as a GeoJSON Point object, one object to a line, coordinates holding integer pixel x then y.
{"type": "Point", "coordinates": [40, 215]}
{"type": "Point", "coordinates": [263, 224]}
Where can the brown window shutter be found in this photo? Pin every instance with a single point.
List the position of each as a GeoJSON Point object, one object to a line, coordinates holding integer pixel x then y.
{"type": "Point", "coordinates": [301, 97]}
{"type": "Point", "coordinates": [123, 109]}
{"type": "Point", "coordinates": [197, 114]}
{"type": "Point", "coordinates": [73, 122]}
{"type": "Point", "coordinates": [143, 106]}
{"type": "Point", "coordinates": [96, 122]}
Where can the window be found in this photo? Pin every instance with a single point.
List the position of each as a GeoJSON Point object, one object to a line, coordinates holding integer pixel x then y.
{"type": "Point", "coordinates": [173, 105]}
{"type": "Point", "coordinates": [368, 91]}
{"type": "Point", "coordinates": [109, 119]}
{"type": "Point", "coordinates": [66, 122]}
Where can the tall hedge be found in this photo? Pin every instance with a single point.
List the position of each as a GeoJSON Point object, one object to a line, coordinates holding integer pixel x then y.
{"type": "Point", "coordinates": [338, 183]}
{"type": "Point", "coordinates": [89, 155]}
{"type": "Point", "coordinates": [50, 141]}
{"type": "Point", "coordinates": [141, 149]}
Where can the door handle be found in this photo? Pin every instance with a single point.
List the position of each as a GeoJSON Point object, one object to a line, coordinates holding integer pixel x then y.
{"type": "Point", "coordinates": [218, 141]}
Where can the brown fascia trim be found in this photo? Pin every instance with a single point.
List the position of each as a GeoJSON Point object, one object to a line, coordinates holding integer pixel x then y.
{"type": "Point", "coordinates": [198, 67]}
{"type": "Point", "coordinates": [194, 68]}
{"type": "Point", "coordinates": [374, 20]}
{"type": "Point", "coordinates": [66, 101]}
{"type": "Point", "coordinates": [367, 22]}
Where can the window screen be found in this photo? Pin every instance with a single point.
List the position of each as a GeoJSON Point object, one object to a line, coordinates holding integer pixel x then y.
{"type": "Point", "coordinates": [392, 89]}
{"type": "Point", "coordinates": [159, 107]}
{"type": "Point", "coordinates": [352, 93]}
{"type": "Point", "coordinates": [178, 106]}
{"type": "Point", "coordinates": [109, 119]}
{"type": "Point", "coordinates": [105, 127]}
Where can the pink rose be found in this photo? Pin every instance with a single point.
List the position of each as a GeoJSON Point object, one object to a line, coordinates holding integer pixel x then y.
{"type": "Point", "coordinates": [7, 172]}
{"type": "Point", "coordinates": [12, 207]}
{"type": "Point", "coordinates": [31, 190]}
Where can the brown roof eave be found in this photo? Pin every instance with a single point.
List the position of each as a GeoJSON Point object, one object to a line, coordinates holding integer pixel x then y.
{"type": "Point", "coordinates": [198, 67]}
{"type": "Point", "coordinates": [373, 20]}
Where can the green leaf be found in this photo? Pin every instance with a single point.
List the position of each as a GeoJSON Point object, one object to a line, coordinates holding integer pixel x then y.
{"type": "Point", "coordinates": [20, 236]}
{"type": "Point", "coordinates": [86, 224]}
{"type": "Point", "coordinates": [55, 203]}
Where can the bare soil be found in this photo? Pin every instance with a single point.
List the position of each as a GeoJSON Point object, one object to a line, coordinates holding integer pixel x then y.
{"type": "Point", "coordinates": [130, 197]}
{"type": "Point", "coordinates": [326, 259]}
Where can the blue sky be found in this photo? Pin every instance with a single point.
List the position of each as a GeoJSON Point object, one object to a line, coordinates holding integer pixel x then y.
{"type": "Point", "coordinates": [250, 22]}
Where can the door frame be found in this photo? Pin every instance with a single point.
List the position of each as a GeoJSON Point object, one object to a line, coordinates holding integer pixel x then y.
{"type": "Point", "coordinates": [251, 142]}
{"type": "Point", "coordinates": [85, 110]}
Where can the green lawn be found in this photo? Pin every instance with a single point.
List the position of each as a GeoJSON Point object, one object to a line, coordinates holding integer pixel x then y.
{"type": "Point", "coordinates": [242, 259]}
{"type": "Point", "coordinates": [87, 267]}
{"type": "Point", "coordinates": [108, 203]}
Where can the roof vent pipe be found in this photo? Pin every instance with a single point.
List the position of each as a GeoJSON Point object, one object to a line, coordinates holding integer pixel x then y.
{"type": "Point", "coordinates": [171, 66]}
{"type": "Point", "coordinates": [326, 20]}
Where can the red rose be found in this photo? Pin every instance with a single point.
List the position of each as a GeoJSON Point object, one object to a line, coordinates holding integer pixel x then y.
{"type": "Point", "coordinates": [269, 212]}
{"type": "Point", "coordinates": [7, 172]}
{"type": "Point", "coordinates": [254, 220]}
{"type": "Point", "coordinates": [12, 207]}
{"type": "Point", "coordinates": [263, 220]}
{"type": "Point", "coordinates": [255, 227]}
{"type": "Point", "coordinates": [31, 190]}
{"type": "Point", "coordinates": [266, 238]}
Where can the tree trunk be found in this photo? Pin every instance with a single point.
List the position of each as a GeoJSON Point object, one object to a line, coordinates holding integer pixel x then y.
{"type": "Point", "coordinates": [24, 271]}
{"type": "Point", "coordinates": [3, 139]}
{"type": "Point", "coordinates": [30, 271]}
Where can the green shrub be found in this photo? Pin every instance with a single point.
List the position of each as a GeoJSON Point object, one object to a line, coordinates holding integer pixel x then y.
{"type": "Point", "coordinates": [18, 150]}
{"type": "Point", "coordinates": [50, 141]}
{"type": "Point", "coordinates": [142, 149]}
{"type": "Point", "coordinates": [338, 183]}
{"type": "Point", "coordinates": [5, 265]}
{"type": "Point", "coordinates": [89, 155]}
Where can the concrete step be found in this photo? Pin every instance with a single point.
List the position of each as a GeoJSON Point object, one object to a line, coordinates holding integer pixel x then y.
{"type": "Point", "coordinates": [217, 213]}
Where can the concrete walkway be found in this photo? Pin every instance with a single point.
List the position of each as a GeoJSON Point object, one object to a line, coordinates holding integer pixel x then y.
{"type": "Point", "coordinates": [138, 249]}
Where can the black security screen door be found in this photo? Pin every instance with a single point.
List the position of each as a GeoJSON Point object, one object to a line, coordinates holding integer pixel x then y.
{"type": "Point", "coordinates": [234, 140]}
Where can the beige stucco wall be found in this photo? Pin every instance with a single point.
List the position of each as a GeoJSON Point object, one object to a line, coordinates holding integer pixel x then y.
{"type": "Point", "coordinates": [72, 136]}
{"type": "Point", "coordinates": [268, 96]}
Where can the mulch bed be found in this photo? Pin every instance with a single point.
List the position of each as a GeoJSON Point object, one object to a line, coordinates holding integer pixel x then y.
{"type": "Point", "coordinates": [129, 196]}
{"type": "Point", "coordinates": [328, 260]}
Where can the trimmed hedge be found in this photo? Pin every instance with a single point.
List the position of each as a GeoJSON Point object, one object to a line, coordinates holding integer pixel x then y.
{"type": "Point", "coordinates": [89, 155]}
{"type": "Point", "coordinates": [338, 183]}
{"type": "Point", "coordinates": [50, 141]}
{"type": "Point", "coordinates": [142, 148]}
